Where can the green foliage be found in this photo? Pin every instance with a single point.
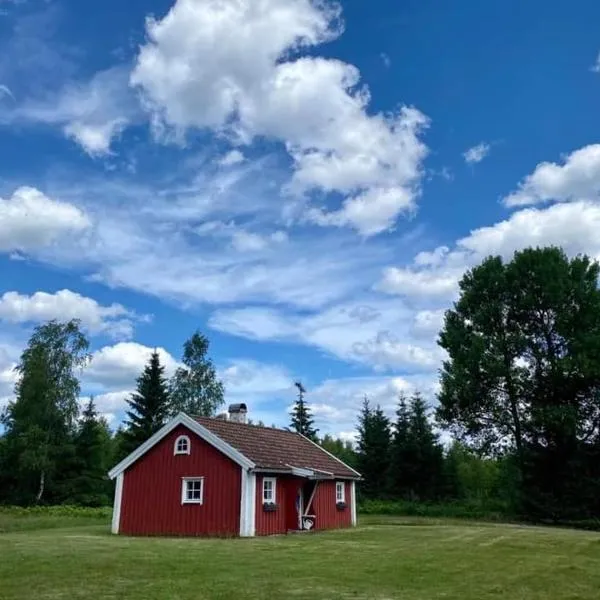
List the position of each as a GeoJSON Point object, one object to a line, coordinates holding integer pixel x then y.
{"type": "Point", "coordinates": [373, 454]}
{"type": "Point", "coordinates": [523, 374]}
{"type": "Point", "coordinates": [93, 446]}
{"type": "Point", "coordinates": [33, 518]}
{"type": "Point", "coordinates": [149, 405]}
{"type": "Point", "coordinates": [40, 422]}
{"type": "Point", "coordinates": [342, 450]}
{"type": "Point", "coordinates": [194, 388]}
{"type": "Point", "coordinates": [301, 417]}
{"type": "Point", "coordinates": [417, 462]}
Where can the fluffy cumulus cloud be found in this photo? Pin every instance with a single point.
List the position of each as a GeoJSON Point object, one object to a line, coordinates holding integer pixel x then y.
{"type": "Point", "coordinates": [30, 220]}
{"type": "Point", "coordinates": [114, 320]}
{"type": "Point", "coordinates": [115, 368]}
{"type": "Point", "coordinates": [576, 178]}
{"type": "Point", "coordinates": [574, 226]}
{"type": "Point", "coordinates": [477, 153]}
{"type": "Point", "coordinates": [256, 85]}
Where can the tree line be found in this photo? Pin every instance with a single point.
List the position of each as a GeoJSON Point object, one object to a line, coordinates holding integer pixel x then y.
{"type": "Point", "coordinates": [53, 452]}
{"type": "Point", "coordinates": [518, 404]}
{"type": "Point", "coordinates": [519, 397]}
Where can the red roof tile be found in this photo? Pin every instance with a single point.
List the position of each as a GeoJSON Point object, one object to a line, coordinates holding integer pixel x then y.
{"type": "Point", "coordinates": [270, 448]}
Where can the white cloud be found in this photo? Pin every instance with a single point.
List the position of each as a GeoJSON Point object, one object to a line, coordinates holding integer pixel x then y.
{"type": "Point", "coordinates": [574, 226]}
{"type": "Point", "coordinates": [93, 113]}
{"type": "Point", "coordinates": [114, 320]}
{"type": "Point", "coordinates": [385, 58]}
{"type": "Point", "coordinates": [251, 381]}
{"type": "Point", "coordinates": [376, 333]}
{"type": "Point", "coordinates": [112, 403]}
{"type": "Point", "coordinates": [114, 368]}
{"type": "Point", "coordinates": [336, 402]}
{"type": "Point", "coordinates": [254, 86]}
{"type": "Point", "coordinates": [595, 68]}
{"type": "Point", "coordinates": [233, 157]}
{"type": "Point", "coordinates": [578, 178]}
{"type": "Point", "coordinates": [477, 153]}
{"type": "Point", "coordinates": [29, 220]}
{"type": "Point", "coordinates": [428, 322]}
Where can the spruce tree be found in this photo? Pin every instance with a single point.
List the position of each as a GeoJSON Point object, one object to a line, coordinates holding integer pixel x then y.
{"type": "Point", "coordinates": [301, 417]}
{"type": "Point", "coordinates": [93, 450]}
{"type": "Point", "coordinates": [424, 466]}
{"type": "Point", "coordinates": [399, 455]}
{"type": "Point", "coordinates": [373, 451]}
{"type": "Point", "coordinates": [149, 405]}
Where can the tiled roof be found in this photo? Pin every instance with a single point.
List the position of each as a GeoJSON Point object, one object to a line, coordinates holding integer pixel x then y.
{"type": "Point", "coordinates": [270, 448]}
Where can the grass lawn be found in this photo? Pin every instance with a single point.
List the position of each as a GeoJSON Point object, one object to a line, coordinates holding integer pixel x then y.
{"type": "Point", "coordinates": [384, 558]}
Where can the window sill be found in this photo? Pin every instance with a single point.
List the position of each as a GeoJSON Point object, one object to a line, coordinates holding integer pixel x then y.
{"type": "Point", "coordinates": [192, 502]}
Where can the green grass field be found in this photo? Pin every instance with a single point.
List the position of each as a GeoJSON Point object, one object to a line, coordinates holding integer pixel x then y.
{"type": "Point", "coordinates": [75, 558]}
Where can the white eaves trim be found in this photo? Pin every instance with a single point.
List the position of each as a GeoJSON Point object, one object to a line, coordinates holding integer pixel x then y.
{"type": "Point", "coordinates": [300, 472]}
{"type": "Point", "coordinates": [195, 427]}
{"type": "Point", "coordinates": [334, 457]}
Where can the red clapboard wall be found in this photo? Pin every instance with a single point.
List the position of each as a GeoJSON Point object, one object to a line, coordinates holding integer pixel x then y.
{"type": "Point", "coordinates": [151, 501]}
{"type": "Point", "coordinates": [324, 507]}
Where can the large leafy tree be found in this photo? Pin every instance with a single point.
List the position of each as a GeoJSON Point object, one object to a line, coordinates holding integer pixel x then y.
{"type": "Point", "coordinates": [373, 450]}
{"type": "Point", "coordinates": [301, 416]}
{"type": "Point", "coordinates": [523, 368]}
{"type": "Point", "coordinates": [195, 388]}
{"type": "Point", "coordinates": [93, 445]}
{"type": "Point", "coordinates": [40, 423]}
{"type": "Point", "coordinates": [149, 405]}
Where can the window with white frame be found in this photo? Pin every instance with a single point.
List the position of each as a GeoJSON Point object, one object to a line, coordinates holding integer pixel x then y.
{"type": "Point", "coordinates": [182, 445]}
{"type": "Point", "coordinates": [192, 490]}
{"type": "Point", "coordinates": [340, 492]}
{"type": "Point", "coordinates": [269, 484]}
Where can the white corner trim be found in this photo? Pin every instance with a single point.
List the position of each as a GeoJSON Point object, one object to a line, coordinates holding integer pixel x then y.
{"type": "Point", "coordinates": [248, 504]}
{"type": "Point", "coordinates": [353, 500]}
{"type": "Point", "coordinates": [332, 456]}
{"type": "Point", "coordinates": [116, 518]}
{"type": "Point", "coordinates": [188, 445]}
{"type": "Point", "coordinates": [195, 427]}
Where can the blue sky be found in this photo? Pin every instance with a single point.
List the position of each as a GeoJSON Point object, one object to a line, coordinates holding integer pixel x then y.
{"type": "Point", "coordinates": [305, 182]}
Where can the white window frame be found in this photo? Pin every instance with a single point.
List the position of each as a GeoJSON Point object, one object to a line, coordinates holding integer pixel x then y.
{"type": "Point", "coordinates": [184, 490]}
{"type": "Point", "coordinates": [188, 445]}
{"type": "Point", "coordinates": [340, 485]}
{"type": "Point", "coordinates": [273, 481]}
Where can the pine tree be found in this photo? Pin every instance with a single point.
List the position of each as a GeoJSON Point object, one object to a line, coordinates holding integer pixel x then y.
{"type": "Point", "coordinates": [301, 417]}
{"type": "Point", "coordinates": [399, 456]}
{"type": "Point", "coordinates": [149, 405]}
{"type": "Point", "coordinates": [373, 451]}
{"type": "Point", "coordinates": [93, 450]}
{"type": "Point", "coordinates": [424, 467]}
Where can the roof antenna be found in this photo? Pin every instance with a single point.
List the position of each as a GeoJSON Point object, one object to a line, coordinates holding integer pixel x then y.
{"type": "Point", "coordinates": [301, 392]}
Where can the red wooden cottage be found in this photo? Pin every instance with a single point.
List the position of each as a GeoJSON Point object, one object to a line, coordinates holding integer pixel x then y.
{"type": "Point", "coordinates": [223, 477]}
